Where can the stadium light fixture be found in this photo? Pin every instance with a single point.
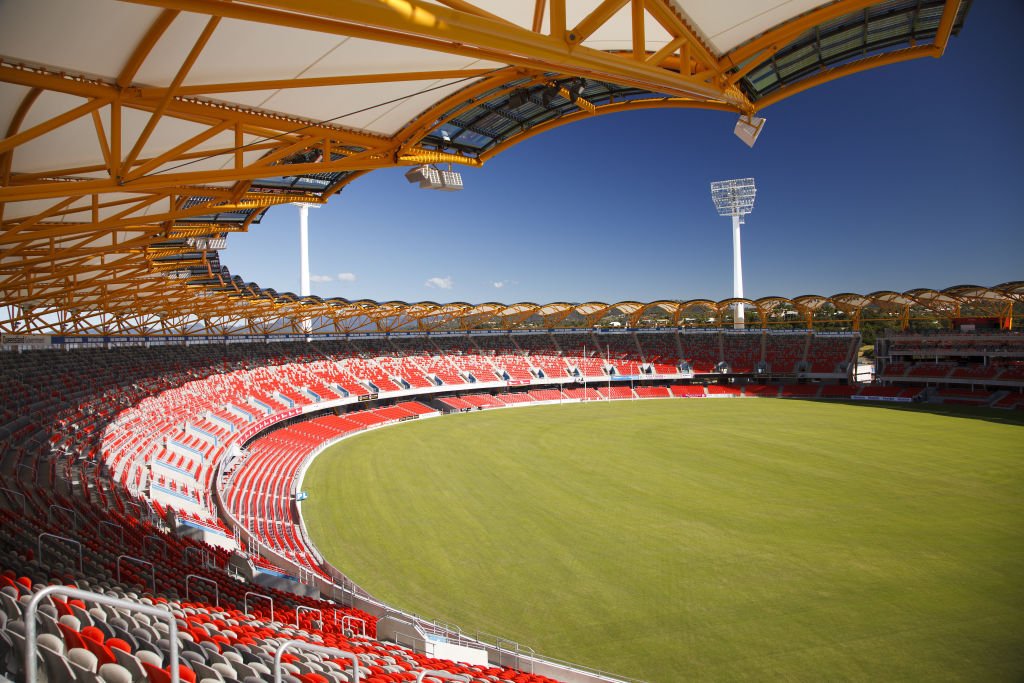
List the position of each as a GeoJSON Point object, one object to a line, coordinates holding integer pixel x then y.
{"type": "Point", "coordinates": [432, 178]}
{"type": "Point", "coordinates": [548, 94]}
{"type": "Point", "coordinates": [575, 88]}
{"type": "Point", "coordinates": [735, 198]}
{"type": "Point", "coordinates": [748, 129]}
{"type": "Point", "coordinates": [518, 98]}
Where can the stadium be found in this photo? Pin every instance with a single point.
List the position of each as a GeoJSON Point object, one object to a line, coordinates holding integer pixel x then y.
{"type": "Point", "coordinates": [205, 479]}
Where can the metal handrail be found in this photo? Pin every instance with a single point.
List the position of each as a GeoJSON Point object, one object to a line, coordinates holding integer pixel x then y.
{"type": "Point", "coordinates": [216, 588]}
{"type": "Point", "coordinates": [116, 526]}
{"type": "Point", "coordinates": [39, 546]}
{"type": "Point", "coordinates": [156, 538]}
{"type": "Point", "coordinates": [74, 514]}
{"type": "Point", "coordinates": [35, 474]}
{"type": "Point", "coordinates": [441, 674]}
{"type": "Point", "coordinates": [204, 558]}
{"type": "Point", "coordinates": [308, 609]}
{"type": "Point", "coordinates": [300, 645]}
{"type": "Point", "coordinates": [24, 500]}
{"type": "Point", "coordinates": [245, 601]}
{"type": "Point", "coordinates": [152, 568]}
{"type": "Point", "coordinates": [348, 619]}
{"type": "Point", "coordinates": [74, 593]}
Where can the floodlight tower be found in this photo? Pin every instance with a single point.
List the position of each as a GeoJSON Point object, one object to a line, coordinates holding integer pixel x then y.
{"type": "Point", "coordinates": [304, 254]}
{"type": "Point", "coordinates": [735, 198]}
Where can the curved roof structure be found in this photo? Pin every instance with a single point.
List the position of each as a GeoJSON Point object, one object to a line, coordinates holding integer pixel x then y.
{"type": "Point", "coordinates": [138, 135]}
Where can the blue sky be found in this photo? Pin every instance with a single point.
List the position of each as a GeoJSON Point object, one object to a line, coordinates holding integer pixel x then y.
{"type": "Point", "coordinates": [900, 177]}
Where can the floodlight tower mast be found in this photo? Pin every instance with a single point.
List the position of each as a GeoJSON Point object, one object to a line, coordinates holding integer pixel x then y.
{"type": "Point", "coordinates": [304, 255]}
{"type": "Point", "coordinates": [735, 198]}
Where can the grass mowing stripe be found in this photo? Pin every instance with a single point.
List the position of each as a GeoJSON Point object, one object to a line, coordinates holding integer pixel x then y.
{"type": "Point", "coordinates": [715, 539]}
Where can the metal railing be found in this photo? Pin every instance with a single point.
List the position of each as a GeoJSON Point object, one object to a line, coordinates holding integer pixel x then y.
{"type": "Point", "coordinates": [74, 514]}
{"type": "Point", "coordinates": [300, 645]}
{"type": "Point", "coordinates": [24, 500]}
{"type": "Point", "coordinates": [163, 542]}
{"type": "Point", "coordinates": [349, 619]}
{"type": "Point", "coordinates": [31, 666]}
{"type": "Point", "coordinates": [301, 608]}
{"type": "Point", "coordinates": [204, 556]}
{"type": "Point", "coordinates": [216, 588]}
{"type": "Point", "coordinates": [152, 568]}
{"type": "Point", "coordinates": [447, 675]}
{"type": "Point", "coordinates": [245, 602]}
{"type": "Point", "coordinates": [39, 546]}
{"type": "Point", "coordinates": [120, 528]}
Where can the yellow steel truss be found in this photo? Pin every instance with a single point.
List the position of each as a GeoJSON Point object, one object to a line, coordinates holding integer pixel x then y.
{"type": "Point", "coordinates": [82, 248]}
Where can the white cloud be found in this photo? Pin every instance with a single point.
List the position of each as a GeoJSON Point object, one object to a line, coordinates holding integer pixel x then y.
{"type": "Point", "coordinates": [321, 278]}
{"type": "Point", "coordinates": [440, 282]}
{"type": "Point", "coordinates": [346, 277]}
{"type": "Point", "coordinates": [499, 284]}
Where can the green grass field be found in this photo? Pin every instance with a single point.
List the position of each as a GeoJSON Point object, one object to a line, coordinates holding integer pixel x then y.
{"type": "Point", "coordinates": [719, 540]}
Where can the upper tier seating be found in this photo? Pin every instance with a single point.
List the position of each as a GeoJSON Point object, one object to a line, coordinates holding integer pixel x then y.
{"type": "Point", "coordinates": [661, 351]}
{"type": "Point", "coordinates": [743, 351]}
{"type": "Point", "coordinates": [826, 352]}
{"type": "Point", "coordinates": [784, 352]}
{"type": "Point", "coordinates": [583, 352]}
{"type": "Point", "coordinates": [621, 351]}
{"type": "Point", "coordinates": [505, 355]}
{"type": "Point", "coordinates": [701, 350]}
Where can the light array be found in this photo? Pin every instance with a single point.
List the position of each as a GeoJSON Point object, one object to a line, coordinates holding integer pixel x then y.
{"type": "Point", "coordinates": [431, 178]}
{"type": "Point", "coordinates": [734, 197]}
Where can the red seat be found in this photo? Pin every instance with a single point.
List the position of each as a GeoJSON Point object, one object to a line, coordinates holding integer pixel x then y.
{"type": "Point", "coordinates": [71, 637]}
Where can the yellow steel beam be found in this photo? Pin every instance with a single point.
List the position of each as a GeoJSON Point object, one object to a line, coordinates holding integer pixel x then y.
{"type": "Point", "coordinates": [628, 105]}
{"type": "Point", "coordinates": [162, 181]}
{"type": "Point", "coordinates": [145, 46]}
{"type": "Point", "coordinates": [666, 50]}
{"type": "Point", "coordinates": [584, 104]}
{"type": "Point", "coordinates": [785, 33]}
{"type": "Point", "coordinates": [556, 19]}
{"type": "Point", "coordinates": [538, 15]}
{"type": "Point", "coordinates": [421, 24]}
{"type": "Point", "coordinates": [463, 6]}
{"type": "Point", "coordinates": [665, 14]}
{"type": "Point", "coordinates": [638, 15]}
{"type": "Point", "coordinates": [945, 29]}
{"type": "Point", "coordinates": [37, 130]}
{"type": "Point", "coordinates": [176, 82]}
{"type": "Point", "coordinates": [595, 20]}
{"type": "Point", "coordinates": [146, 93]}
{"type": "Point", "coordinates": [847, 69]}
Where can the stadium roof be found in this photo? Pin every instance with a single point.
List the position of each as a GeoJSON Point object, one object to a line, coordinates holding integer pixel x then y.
{"type": "Point", "coordinates": [140, 134]}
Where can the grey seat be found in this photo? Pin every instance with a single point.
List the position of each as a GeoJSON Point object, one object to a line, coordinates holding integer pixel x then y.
{"type": "Point", "coordinates": [226, 671]}
{"type": "Point", "coordinates": [204, 671]}
{"type": "Point", "coordinates": [115, 673]}
{"type": "Point", "coordinates": [131, 663]}
{"type": "Point", "coordinates": [243, 671]}
{"type": "Point", "coordinates": [55, 667]}
{"type": "Point", "coordinates": [9, 603]}
{"type": "Point", "coordinates": [15, 663]}
{"type": "Point", "coordinates": [151, 657]}
{"type": "Point", "coordinates": [83, 658]}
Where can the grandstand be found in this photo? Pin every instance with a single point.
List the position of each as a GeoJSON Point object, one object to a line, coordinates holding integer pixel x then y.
{"type": "Point", "coordinates": [160, 411]}
{"type": "Point", "coordinates": [981, 368]}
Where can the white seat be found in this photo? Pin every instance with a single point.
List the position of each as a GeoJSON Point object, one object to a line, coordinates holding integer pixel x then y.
{"type": "Point", "coordinates": [115, 673]}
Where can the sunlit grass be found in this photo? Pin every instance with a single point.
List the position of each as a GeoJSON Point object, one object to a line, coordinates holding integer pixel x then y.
{"type": "Point", "coordinates": [700, 539]}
